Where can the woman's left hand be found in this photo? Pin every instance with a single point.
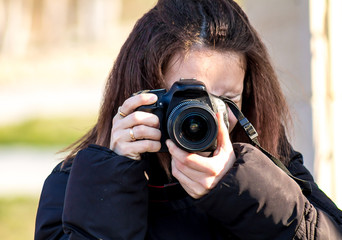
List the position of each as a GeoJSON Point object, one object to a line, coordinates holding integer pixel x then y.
{"type": "Point", "coordinates": [198, 174]}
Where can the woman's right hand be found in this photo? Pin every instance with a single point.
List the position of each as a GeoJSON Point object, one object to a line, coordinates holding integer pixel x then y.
{"type": "Point", "coordinates": [135, 132]}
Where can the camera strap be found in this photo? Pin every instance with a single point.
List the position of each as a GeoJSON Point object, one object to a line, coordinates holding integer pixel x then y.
{"type": "Point", "coordinates": [253, 136]}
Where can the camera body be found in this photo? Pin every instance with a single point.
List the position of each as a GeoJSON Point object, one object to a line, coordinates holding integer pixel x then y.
{"type": "Point", "coordinates": [187, 115]}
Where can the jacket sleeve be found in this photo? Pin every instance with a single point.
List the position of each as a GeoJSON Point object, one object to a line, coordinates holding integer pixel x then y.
{"type": "Point", "coordinates": [50, 209]}
{"type": "Point", "coordinates": [103, 197]}
{"type": "Point", "coordinates": [257, 200]}
{"type": "Point", "coordinates": [321, 211]}
{"type": "Point", "coordinates": [106, 196]}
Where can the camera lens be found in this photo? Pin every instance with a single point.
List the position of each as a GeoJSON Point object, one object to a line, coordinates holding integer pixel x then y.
{"type": "Point", "coordinates": [192, 125]}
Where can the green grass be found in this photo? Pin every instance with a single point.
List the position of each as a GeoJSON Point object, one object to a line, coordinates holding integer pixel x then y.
{"type": "Point", "coordinates": [18, 213]}
{"type": "Point", "coordinates": [43, 132]}
{"type": "Point", "coordinates": [17, 217]}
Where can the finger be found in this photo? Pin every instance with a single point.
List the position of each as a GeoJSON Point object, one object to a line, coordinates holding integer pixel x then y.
{"type": "Point", "coordinates": [137, 147]}
{"type": "Point", "coordinates": [207, 181]}
{"type": "Point", "coordinates": [146, 132]}
{"type": "Point", "coordinates": [130, 104]}
{"type": "Point", "coordinates": [192, 160]}
{"type": "Point", "coordinates": [223, 140]}
{"type": "Point", "coordinates": [194, 189]}
{"type": "Point", "coordinates": [224, 147]}
{"type": "Point", "coordinates": [146, 146]}
{"type": "Point", "coordinates": [136, 118]}
{"type": "Point", "coordinates": [136, 101]}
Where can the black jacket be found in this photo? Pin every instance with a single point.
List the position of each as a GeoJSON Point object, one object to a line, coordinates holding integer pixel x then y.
{"type": "Point", "coordinates": [105, 196]}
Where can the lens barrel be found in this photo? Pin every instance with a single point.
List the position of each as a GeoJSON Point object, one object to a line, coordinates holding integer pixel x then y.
{"type": "Point", "coordinates": [192, 125]}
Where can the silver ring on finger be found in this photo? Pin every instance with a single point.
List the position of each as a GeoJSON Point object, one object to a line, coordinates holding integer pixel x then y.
{"type": "Point", "coordinates": [131, 133]}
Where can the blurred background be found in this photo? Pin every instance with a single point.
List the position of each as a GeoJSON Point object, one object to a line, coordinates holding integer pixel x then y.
{"type": "Point", "coordinates": [56, 55]}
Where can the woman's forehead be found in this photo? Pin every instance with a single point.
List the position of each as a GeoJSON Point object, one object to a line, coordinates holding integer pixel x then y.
{"type": "Point", "coordinates": [218, 70]}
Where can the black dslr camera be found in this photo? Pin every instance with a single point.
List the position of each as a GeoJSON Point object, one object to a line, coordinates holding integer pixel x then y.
{"type": "Point", "coordinates": [187, 115]}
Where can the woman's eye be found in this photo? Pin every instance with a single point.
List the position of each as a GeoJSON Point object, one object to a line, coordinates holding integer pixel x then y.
{"type": "Point", "coordinates": [235, 99]}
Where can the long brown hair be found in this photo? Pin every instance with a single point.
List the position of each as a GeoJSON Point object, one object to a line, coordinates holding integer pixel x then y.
{"type": "Point", "coordinates": [177, 25]}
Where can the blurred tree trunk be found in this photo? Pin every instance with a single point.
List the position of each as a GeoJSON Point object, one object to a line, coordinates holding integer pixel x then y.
{"type": "Point", "coordinates": [54, 21]}
{"type": "Point", "coordinates": [96, 18]}
{"type": "Point", "coordinates": [16, 26]}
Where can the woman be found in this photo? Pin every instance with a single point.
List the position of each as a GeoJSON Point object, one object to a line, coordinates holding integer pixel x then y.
{"type": "Point", "coordinates": [115, 184]}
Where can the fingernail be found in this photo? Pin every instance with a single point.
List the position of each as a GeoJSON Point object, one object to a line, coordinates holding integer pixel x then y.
{"type": "Point", "coordinates": [153, 97]}
{"type": "Point", "coordinates": [167, 143]}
